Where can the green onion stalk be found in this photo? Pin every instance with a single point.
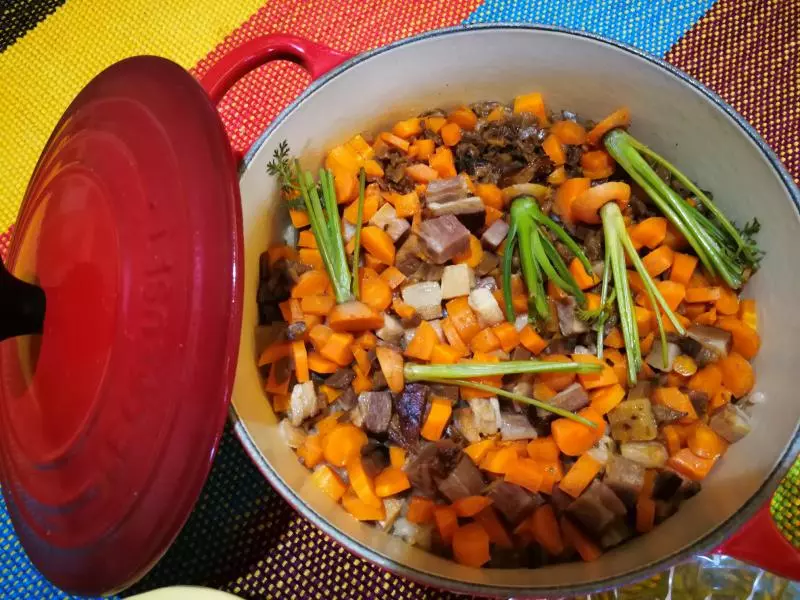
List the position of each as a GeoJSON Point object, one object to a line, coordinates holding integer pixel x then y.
{"type": "Point", "coordinates": [617, 244]}
{"type": "Point", "coordinates": [538, 258]}
{"type": "Point", "coordinates": [721, 247]}
{"type": "Point", "coordinates": [457, 374]}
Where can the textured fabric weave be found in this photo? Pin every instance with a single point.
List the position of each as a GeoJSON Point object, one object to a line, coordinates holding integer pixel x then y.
{"type": "Point", "coordinates": [242, 537]}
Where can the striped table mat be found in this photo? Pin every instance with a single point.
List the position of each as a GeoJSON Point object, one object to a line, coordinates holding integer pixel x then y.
{"type": "Point", "coordinates": [242, 537]}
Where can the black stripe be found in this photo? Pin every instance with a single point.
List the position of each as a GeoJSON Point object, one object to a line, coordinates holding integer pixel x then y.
{"type": "Point", "coordinates": [18, 17]}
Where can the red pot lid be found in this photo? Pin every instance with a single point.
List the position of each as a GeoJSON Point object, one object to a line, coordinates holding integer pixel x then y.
{"type": "Point", "coordinates": [110, 419]}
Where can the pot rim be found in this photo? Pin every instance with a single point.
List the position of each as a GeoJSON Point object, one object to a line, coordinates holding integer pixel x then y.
{"type": "Point", "coordinates": [707, 542]}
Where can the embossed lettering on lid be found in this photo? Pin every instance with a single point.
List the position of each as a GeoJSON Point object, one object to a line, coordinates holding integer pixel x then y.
{"type": "Point", "coordinates": [109, 420]}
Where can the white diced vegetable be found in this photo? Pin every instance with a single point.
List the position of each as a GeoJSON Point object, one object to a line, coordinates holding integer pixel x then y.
{"type": "Point", "coordinates": [485, 305]}
{"type": "Point", "coordinates": [603, 449]}
{"type": "Point", "coordinates": [392, 507]}
{"type": "Point", "coordinates": [426, 298]}
{"type": "Point", "coordinates": [392, 329]}
{"type": "Point", "coordinates": [486, 412]}
{"type": "Point", "coordinates": [349, 230]}
{"type": "Point", "coordinates": [457, 280]}
{"type": "Point", "coordinates": [302, 403]}
{"type": "Point", "coordinates": [521, 321]}
{"type": "Point", "coordinates": [651, 455]}
{"type": "Point", "coordinates": [416, 535]}
{"type": "Point", "coordinates": [383, 216]}
{"type": "Point", "coordinates": [293, 436]}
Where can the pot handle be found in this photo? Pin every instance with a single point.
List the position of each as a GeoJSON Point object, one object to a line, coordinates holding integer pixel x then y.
{"type": "Point", "coordinates": [760, 543]}
{"type": "Point", "coordinates": [314, 58]}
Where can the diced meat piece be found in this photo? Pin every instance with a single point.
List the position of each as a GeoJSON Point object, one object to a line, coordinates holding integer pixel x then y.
{"type": "Point", "coordinates": [651, 455]}
{"type": "Point", "coordinates": [457, 280]}
{"type": "Point", "coordinates": [615, 534]}
{"type": "Point", "coordinates": [430, 462]}
{"type": "Point", "coordinates": [293, 436]}
{"type": "Point", "coordinates": [409, 256]}
{"type": "Point", "coordinates": [303, 403]}
{"type": "Point", "coordinates": [666, 485]}
{"type": "Point", "coordinates": [633, 421]}
{"type": "Point", "coordinates": [562, 345]}
{"type": "Point", "coordinates": [392, 329]}
{"type": "Point", "coordinates": [443, 390]}
{"type": "Point", "coordinates": [395, 434]}
{"type": "Point", "coordinates": [444, 238]}
{"type": "Point", "coordinates": [430, 273]}
{"type": "Point", "coordinates": [465, 206]}
{"type": "Point", "coordinates": [383, 216]}
{"type": "Point", "coordinates": [716, 340]}
{"type": "Point", "coordinates": [410, 407]}
{"type": "Point", "coordinates": [485, 305]}
{"type": "Point", "coordinates": [568, 321]}
{"type": "Point", "coordinates": [464, 421]}
{"type": "Point", "coordinates": [348, 399]}
{"type": "Point", "coordinates": [379, 382]}
{"type": "Point", "coordinates": [488, 282]}
{"type": "Point", "coordinates": [495, 234]}
{"type": "Point", "coordinates": [521, 353]}
{"type": "Point", "coordinates": [488, 263]}
{"type": "Point", "coordinates": [341, 379]}
{"type": "Point", "coordinates": [520, 384]}
{"type": "Point", "coordinates": [447, 190]}
{"type": "Point", "coordinates": [516, 427]}
{"type": "Point", "coordinates": [625, 477]}
{"type": "Point", "coordinates": [603, 449]}
{"type": "Point", "coordinates": [410, 322]}
{"type": "Point", "coordinates": [560, 499]}
{"type": "Point", "coordinates": [487, 414]}
{"type": "Point", "coordinates": [397, 228]}
{"type": "Point", "coordinates": [571, 398]}
{"type": "Point", "coordinates": [425, 297]}
{"type": "Point", "coordinates": [377, 410]}
{"type": "Point", "coordinates": [374, 458]}
{"type": "Point", "coordinates": [665, 414]}
{"type": "Point", "coordinates": [656, 357]}
{"type": "Point", "coordinates": [731, 423]}
{"type": "Point", "coordinates": [464, 480]}
{"type": "Point", "coordinates": [514, 502]}
{"type": "Point", "coordinates": [597, 508]}
{"type": "Point", "coordinates": [699, 400]}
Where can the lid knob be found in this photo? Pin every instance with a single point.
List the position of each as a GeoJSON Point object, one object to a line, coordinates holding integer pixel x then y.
{"type": "Point", "coordinates": [22, 306]}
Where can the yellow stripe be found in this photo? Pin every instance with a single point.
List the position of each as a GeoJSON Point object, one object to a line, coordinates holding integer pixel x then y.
{"type": "Point", "coordinates": [42, 72]}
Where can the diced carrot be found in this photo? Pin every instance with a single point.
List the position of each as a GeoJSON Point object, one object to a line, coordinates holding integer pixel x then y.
{"type": "Point", "coordinates": [343, 444]}
{"type": "Point", "coordinates": [343, 157]}
{"type": "Point", "coordinates": [491, 195]}
{"type": "Point", "coordinates": [614, 339]}
{"type": "Point", "coordinates": [597, 164]}
{"type": "Point", "coordinates": [329, 482]}
{"type": "Point", "coordinates": [420, 510]}
{"type": "Point", "coordinates": [463, 318]}
{"type": "Point", "coordinates": [446, 521]}
{"type": "Point", "coordinates": [299, 218]}
{"type": "Point", "coordinates": [672, 438]}
{"type": "Point", "coordinates": [452, 337]}
{"type": "Point", "coordinates": [378, 243]}
{"type": "Point", "coordinates": [317, 305]}
{"type": "Point", "coordinates": [327, 424]}
{"type": "Point", "coordinates": [569, 132]}
{"type": "Point", "coordinates": [554, 150]}
{"type": "Point", "coordinates": [478, 450]}
{"type": "Point", "coordinates": [451, 134]}
{"type": "Point", "coordinates": [746, 340]}
{"type": "Point", "coordinates": [331, 394]}
{"type": "Point", "coordinates": [311, 283]}
{"type": "Point", "coordinates": [421, 345]}
{"type": "Point", "coordinates": [591, 381]}
{"type": "Point", "coordinates": [345, 184]}
{"type": "Point", "coordinates": [546, 531]}
{"type": "Point", "coordinates": [361, 510]}
{"type": "Point", "coordinates": [574, 538]}
{"type": "Point", "coordinates": [306, 239]}
{"type": "Point", "coordinates": [403, 310]}
{"type": "Point", "coordinates": [491, 523]}
{"type": "Point", "coordinates": [485, 341]}
{"type": "Point", "coordinates": [673, 293]}
{"type": "Point", "coordinates": [443, 354]}
{"type": "Point", "coordinates": [507, 335]}
{"type": "Point", "coordinates": [338, 349]}
{"type": "Point", "coordinates": [650, 232]}
{"type": "Point", "coordinates": [274, 352]}
{"type": "Point", "coordinates": [391, 481]}
{"type": "Point", "coordinates": [438, 417]}
{"type": "Point", "coordinates": [720, 399]}
{"type": "Point", "coordinates": [442, 160]}
{"type": "Point", "coordinates": [464, 118]}
{"type": "Point", "coordinates": [369, 209]}
{"type": "Point", "coordinates": [422, 149]}
{"type": "Point", "coordinates": [707, 318]}
{"type": "Point", "coordinates": [575, 438]}
{"type": "Point", "coordinates": [688, 464]}
{"type": "Point", "coordinates": [391, 362]}
{"type": "Point", "coordinates": [373, 169]}
{"type": "Point", "coordinates": [557, 176]}
{"type": "Point", "coordinates": [703, 294]}
{"type": "Point", "coordinates": [393, 277]}
{"type": "Point", "coordinates": [586, 207]}
{"type": "Point", "coordinates": [748, 314]}
{"type": "Point", "coordinates": [582, 278]}
{"type": "Point", "coordinates": [397, 456]}
{"type": "Point", "coordinates": [362, 483]}
{"type": "Point", "coordinates": [728, 302]}
{"type": "Point", "coordinates": [367, 340]}
{"type": "Point", "coordinates": [408, 128]}
{"type": "Point", "coordinates": [395, 141]}
{"type": "Point", "coordinates": [658, 261]}
{"type": "Point", "coordinates": [645, 515]}
{"type": "Point", "coordinates": [471, 545]}
{"type": "Point", "coordinates": [310, 321]}
{"type": "Point", "coordinates": [556, 381]}
{"type": "Point", "coordinates": [708, 380]}
{"type": "Point", "coordinates": [673, 398]}
{"type": "Point", "coordinates": [525, 472]}
{"type": "Point", "coordinates": [376, 294]}
{"type": "Point", "coordinates": [706, 443]}
{"type": "Point", "coordinates": [311, 451]}
{"type": "Point", "coordinates": [737, 374]}
{"type": "Point", "coordinates": [619, 118]}
{"type": "Point", "coordinates": [362, 382]}
{"type": "Point", "coordinates": [435, 123]}
{"type": "Point", "coordinates": [319, 364]}
{"type": "Point", "coordinates": [319, 335]}
{"type": "Point", "coordinates": [534, 104]}
{"type": "Point", "coordinates": [473, 255]}
{"type": "Point", "coordinates": [566, 194]}
{"type": "Point", "coordinates": [580, 475]}
{"type": "Point", "coordinates": [683, 266]}
{"type": "Point", "coordinates": [469, 506]}
{"type": "Point", "coordinates": [311, 257]}
{"type": "Point", "coordinates": [543, 449]}
{"type": "Point", "coordinates": [420, 173]}
{"type": "Point", "coordinates": [604, 400]}
{"type": "Point", "coordinates": [300, 358]}
{"type": "Point", "coordinates": [498, 461]}
{"type": "Point", "coordinates": [532, 341]}
{"type": "Point", "coordinates": [354, 316]}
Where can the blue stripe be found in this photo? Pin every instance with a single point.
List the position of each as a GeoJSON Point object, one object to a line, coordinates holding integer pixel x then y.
{"type": "Point", "coordinates": [652, 25]}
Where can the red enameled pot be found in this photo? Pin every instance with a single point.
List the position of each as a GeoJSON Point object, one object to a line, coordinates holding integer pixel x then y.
{"type": "Point", "coordinates": [138, 243]}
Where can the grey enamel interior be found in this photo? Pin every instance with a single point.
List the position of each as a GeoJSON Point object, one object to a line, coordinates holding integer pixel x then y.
{"type": "Point", "coordinates": [590, 77]}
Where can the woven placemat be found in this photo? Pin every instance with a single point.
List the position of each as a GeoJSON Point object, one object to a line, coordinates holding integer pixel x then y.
{"type": "Point", "coordinates": [242, 537]}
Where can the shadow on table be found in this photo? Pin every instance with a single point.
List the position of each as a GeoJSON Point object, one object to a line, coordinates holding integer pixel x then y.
{"type": "Point", "coordinates": [236, 522]}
